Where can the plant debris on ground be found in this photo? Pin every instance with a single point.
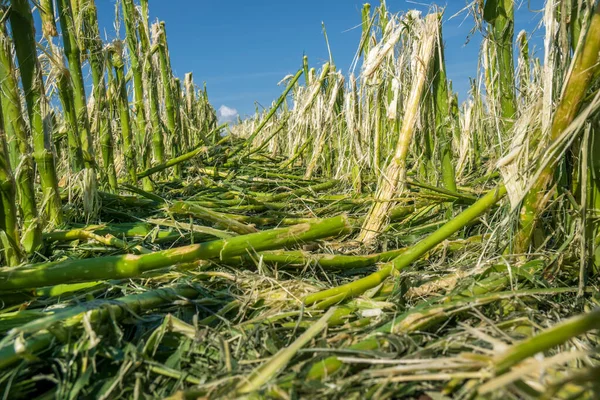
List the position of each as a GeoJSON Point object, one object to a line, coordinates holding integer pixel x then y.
{"type": "Point", "coordinates": [367, 236]}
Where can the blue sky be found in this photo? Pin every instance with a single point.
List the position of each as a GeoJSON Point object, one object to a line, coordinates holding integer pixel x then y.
{"type": "Point", "coordinates": [242, 49]}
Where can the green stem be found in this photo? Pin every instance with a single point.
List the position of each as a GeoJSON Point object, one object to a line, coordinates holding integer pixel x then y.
{"type": "Point", "coordinates": [174, 130]}
{"type": "Point", "coordinates": [129, 17]}
{"type": "Point", "coordinates": [127, 266]}
{"type": "Point", "coordinates": [73, 53]}
{"type": "Point", "coordinates": [116, 60]}
{"type": "Point", "coordinates": [547, 339]}
{"type": "Point", "coordinates": [97, 58]}
{"type": "Point", "coordinates": [500, 15]}
{"type": "Point", "coordinates": [9, 228]}
{"type": "Point", "coordinates": [66, 95]}
{"type": "Point", "coordinates": [583, 67]}
{"type": "Point", "coordinates": [442, 112]}
{"type": "Point", "coordinates": [158, 146]}
{"type": "Point", "coordinates": [15, 123]}
{"type": "Point", "coordinates": [413, 253]}
{"type": "Point", "coordinates": [22, 25]}
{"type": "Point", "coordinates": [47, 14]}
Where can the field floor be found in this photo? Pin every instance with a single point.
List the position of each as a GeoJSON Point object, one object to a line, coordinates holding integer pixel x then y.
{"type": "Point", "coordinates": [212, 287]}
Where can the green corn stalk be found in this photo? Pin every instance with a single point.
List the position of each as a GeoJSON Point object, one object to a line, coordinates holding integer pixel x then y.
{"type": "Point", "coordinates": [207, 114]}
{"type": "Point", "coordinates": [9, 227]}
{"type": "Point", "coordinates": [145, 13]}
{"type": "Point", "coordinates": [582, 71]}
{"type": "Point", "coordinates": [499, 14]}
{"type": "Point", "coordinates": [129, 17]}
{"type": "Point", "coordinates": [158, 147]}
{"type": "Point", "coordinates": [366, 30]}
{"type": "Point", "coordinates": [563, 44]}
{"type": "Point", "coordinates": [127, 266]}
{"type": "Point", "coordinates": [300, 259]}
{"type": "Point", "coordinates": [297, 153]}
{"type": "Point", "coordinates": [66, 95]}
{"type": "Point", "coordinates": [112, 103]}
{"type": "Point", "coordinates": [47, 14]}
{"type": "Point", "coordinates": [442, 111]}
{"type": "Point", "coordinates": [578, 18]}
{"type": "Point", "coordinates": [545, 340]}
{"type": "Point", "coordinates": [75, 8]}
{"type": "Point", "coordinates": [21, 21]}
{"type": "Point", "coordinates": [305, 68]}
{"type": "Point", "coordinates": [31, 238]}
{"type": "Point", "coordinates": [71, 41]}
{"type": "Point", "coordinates": [411, 254]}
{"type": "Point", "coordinates": [126, 230]}
{"type": "Point", "coordinates": [377, 134]}
{"type": "Point", "coordinates": [320, 149]}
{"type": "Point", "coordinates": [115, 61]}
{"type": "Point", "coordinates": [525, 63]}
{"type": "Point", "coordinates": [192, 104]}
{"type": "Point", "coordinates": [320, 85]}
{"type": "Point", "coordinates": [73, 54]}
{"type": "Point", "coordinates": [173, 161]}
{"type": "Point", "coordinates": [184, 144]}
{"type": "Point", "coordinates": [93, 43]}
{"type": "Point", "coordinates": [174, 130]}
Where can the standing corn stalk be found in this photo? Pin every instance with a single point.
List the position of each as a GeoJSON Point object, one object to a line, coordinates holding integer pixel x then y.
{"type": "Point", "coordinates": [66, 95]}
{"type": "Point", "coordinates": [21, 22]}
{"type": "Point", "coordinates": [9, 228]}
{"type": "Point", "coordinates": [325, 117]}
{"type": "Point", "coordinates": [15, 123]}
{"type": "Point", "coordinates": [524, 67]}
{"type": "Point", "coordinates": [208, 114]}
{"type": "Point", "coordinates": [582, 71]}
{"type": "Point", "coordinates": [191, 109]}
{"type": "Point", "coordinates": [115, 60]}
{"type": "Point", "coordinates": [93, 43]}
{"type": "Point", "coordinates": [184, 141]}
{"type": "Point", "coordinates": [73, 53]}
{"type": "Point", "coordinates": [499, 14]}
{"type": "Point", "coordinates": [392, 182]}
{"type": "Point", "coordinates": [158, 146]}
{"type": "Point", "coordinates": [65, 88]}
{"type": "Point", "coordinates": [169, 92]}
{"type": "Point", "coordinates": [129, 17]}
{"type": "Point", "coordinates": [442, 112]}
{"type": "Point", "coordinates": [47, 14]}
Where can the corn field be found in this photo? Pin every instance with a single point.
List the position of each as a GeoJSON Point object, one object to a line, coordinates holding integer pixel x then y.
{"type": "Point", "coordinates": [366, 236]}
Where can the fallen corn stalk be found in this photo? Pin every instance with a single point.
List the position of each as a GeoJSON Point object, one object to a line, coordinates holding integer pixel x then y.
{"type": "Point", "coordinates": [128, 266]}
{"type": "Point", "coordinates": [411, 254]}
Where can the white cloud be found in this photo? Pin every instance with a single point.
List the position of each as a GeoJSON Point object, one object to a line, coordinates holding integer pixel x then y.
{"type": "Point", "coordinates": [227, 114]}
